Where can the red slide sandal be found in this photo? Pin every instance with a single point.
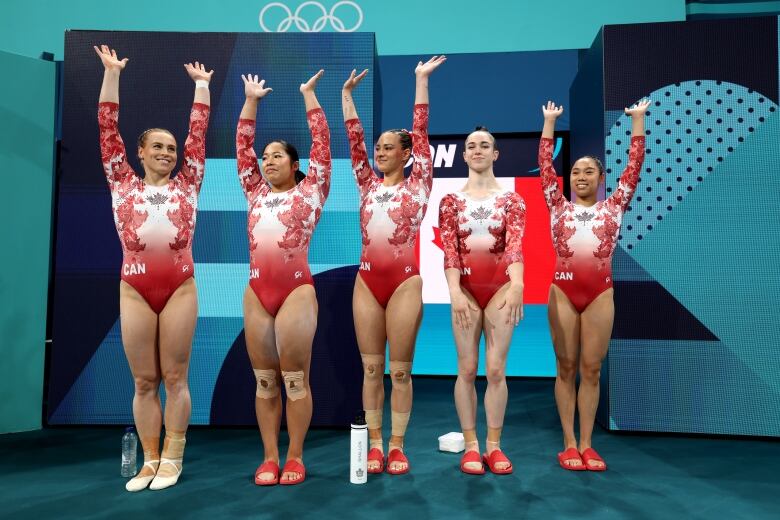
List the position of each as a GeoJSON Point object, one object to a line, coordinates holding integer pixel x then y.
{"type": "Point", "coordinates": [590, 455]}
{"type": "Point", "coordinates": [571, 454]}
{"type": "Point", "coordinates": [494, 458]}
{"type": "Point", "coordinates": [471, 456]}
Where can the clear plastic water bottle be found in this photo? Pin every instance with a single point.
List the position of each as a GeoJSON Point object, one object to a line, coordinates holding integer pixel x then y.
{"type": "Point", "coordinates": [129, 448]}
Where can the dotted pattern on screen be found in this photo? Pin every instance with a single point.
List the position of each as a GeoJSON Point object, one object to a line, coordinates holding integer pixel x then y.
{"type": "Point", "coordinates": [691, 127]}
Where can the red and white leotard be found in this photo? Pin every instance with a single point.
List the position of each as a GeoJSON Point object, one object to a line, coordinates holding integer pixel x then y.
{"type": "Point", "coordinates": [280, 225]}
{"type": "Point", "coordinates": [390, 216]}
{"type": "Point", "coordinates": [155, 223]}
{"type": "Point", "coordinates": [482, 238]}
{"type": "Point", "coordinates": [585, 238]}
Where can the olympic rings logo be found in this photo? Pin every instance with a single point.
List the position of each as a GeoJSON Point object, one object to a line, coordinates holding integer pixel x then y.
{"type": "Point", "coordinates": [319, 23]}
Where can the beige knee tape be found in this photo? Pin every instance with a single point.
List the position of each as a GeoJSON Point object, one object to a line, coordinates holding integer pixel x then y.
{"type": "Point", "coordinates": [401, 371]}
{"type": "Point", "coordinates": [293, 382]}
{"type": "Point", "coordinates": [374, 419]}
{"type": "Point", "coordinates": [373, 365]}
{"type": "Point", "coordinates": [267, 387]}
{"type": "Point", "coordinates": [400, 420]}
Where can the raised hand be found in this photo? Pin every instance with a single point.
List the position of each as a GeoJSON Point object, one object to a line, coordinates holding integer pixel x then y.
{"type": "Point", "coordinates": [353, 80]}
{"type": "Point", "coordinates": [310, 85]}
{"type": "Point", "coordinates": [109, 58]}
{"type": "Point", "coordinates": [551, 111]}
{"type": "Point", "coordinates": [639, 108]}
{"type": "Point", "coordinates": [198, 71]}
{"type": "Point", "coordinates": [254, 88]}
{"type": "Point", "coordinates": [425, 69]}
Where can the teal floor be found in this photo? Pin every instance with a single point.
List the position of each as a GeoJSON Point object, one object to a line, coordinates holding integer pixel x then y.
{"type": "Point", "coordinates": [74, 473]}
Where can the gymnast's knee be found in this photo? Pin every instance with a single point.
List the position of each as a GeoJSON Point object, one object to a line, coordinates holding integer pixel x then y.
{"type": "Point", "coordinates": [295, 384]}
{"type": "Point", "coordinates": [373, 368]}
{"type": "Point", "coordinates": [567, 369]}
{"type": "Point", "coordinates": [401, 373]}
{"type": "Point", "coordinates": [267, 383]}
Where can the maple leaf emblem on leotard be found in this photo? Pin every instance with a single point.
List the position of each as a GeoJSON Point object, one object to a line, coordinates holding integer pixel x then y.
{"type": "Point", "coordinates": [585, 216]}
{"type": "Point", "coordinates": [158, 199]}
{"type": "Point", "coordinates": [273, 203]}
{"type": "Point", "coordinates": [384, 198]}
{"type": "Point", "coordinates": [481, 213]}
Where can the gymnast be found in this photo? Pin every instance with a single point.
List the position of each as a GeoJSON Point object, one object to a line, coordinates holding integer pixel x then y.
{"type": "Point", "coordinates": [158, 301]}
{"type": "Point", "coordinates": [581, 307]}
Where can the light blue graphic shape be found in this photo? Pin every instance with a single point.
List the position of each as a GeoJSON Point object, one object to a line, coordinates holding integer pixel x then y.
{"type": "Point", "coordinates": [695, 387]}
{"type": "Point", "coordinates": [530, 353]}
{"type": "Point", "coordinates": [691, 128]}
{"type": "Point", "coordinates": [723, 261]}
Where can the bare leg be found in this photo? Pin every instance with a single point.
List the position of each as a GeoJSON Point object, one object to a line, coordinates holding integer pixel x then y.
{"type": "Point", "coordinates": [565, 331]}
{"type": "Point", "coordinates": [596, 324]}
{"type": "Point", "coordinates": [498, 336]}
{"type": "Point", "coordinates": [295, 325]}
{"type": "Point", "coordinates": [138, 323]}
{"type": "Point", "coordinates": [467, 345]}
{"type": "Point", "coordinates": [261, 347]}
{"type": "Point", "coordinates": [404, 313]}
{"type": "Point", "coordinates": [177, 327]}
{"type": "Point", "coordinates": [369, 318]}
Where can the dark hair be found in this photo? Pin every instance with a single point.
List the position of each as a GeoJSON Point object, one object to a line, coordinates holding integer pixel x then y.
{"type": "Point", "coordinates": [404, 135]}
{"type": "Point", "coordinates": [480, 128]}
{"type": "Point", "coordinates": [145, 134]}
{"type": "Point", "coordinates": [596, 160]}
{"type": "Point", "coordinates": [293, 153]}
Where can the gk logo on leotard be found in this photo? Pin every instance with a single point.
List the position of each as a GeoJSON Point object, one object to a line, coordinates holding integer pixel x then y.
{"type": "Point", "coordinates": [408, 269]}
{"type": "Point", "coordinates": [608, 280]}
{"type": "Point", "coordinates": [564, 276]}
{"type": "Point", "coordinates": [365, 266]}
{"type": "Point", "coordinates": [129, 269]}
{"type": "Point", "coordinates": [351, 8]}
{"type": "Point", "coordinates": [298, 274]}
{"type": "Point", "coordinates": [254, 273]}
{"type": "Point", "coordinates": [185, 268]}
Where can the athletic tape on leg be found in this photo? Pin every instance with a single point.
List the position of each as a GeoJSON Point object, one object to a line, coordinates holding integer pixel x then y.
{"type": "Point", "coordinates": [267, 387]}
{"type": "Point", "coordinates": [400, 420]}
{"type": "Point", "coordinates": [293, 382]}
{"type": "Point", "coordinates": [373, 365]}
{"type": "Point", "coordinates": [401, 371]}
{"type": "Point", "coordinates": [374, 419]}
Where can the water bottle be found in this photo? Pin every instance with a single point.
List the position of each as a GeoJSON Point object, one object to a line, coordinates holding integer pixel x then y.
{"type": "Point", "coordinates": [358, 465]}
{"type": "Point", "coordinates": [129, 445]}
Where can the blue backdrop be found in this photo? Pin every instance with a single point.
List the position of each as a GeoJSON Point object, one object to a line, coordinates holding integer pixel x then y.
{"type": "Point", "coordinates": [695, 344]}
{"type": "Point", "coordinates": [89, 378]}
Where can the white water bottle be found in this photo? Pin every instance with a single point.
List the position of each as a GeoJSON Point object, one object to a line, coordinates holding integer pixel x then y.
{"type": "Point", "coordinates": [129, 447]}
{"type": "Point", "coordinates": [358, 465]}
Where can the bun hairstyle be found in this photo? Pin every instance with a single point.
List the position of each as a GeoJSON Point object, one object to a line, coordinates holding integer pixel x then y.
{"type": "Point", "coordinates": [480, 128]}
{"type": "Point", "coordinates": [145, 134]}
{"type": "Point", "coordinates": [404, 135]}
{"type": "Point", "coordinates": [596, 160]}
{"type": "Point", "coordinates": [291, 151]}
